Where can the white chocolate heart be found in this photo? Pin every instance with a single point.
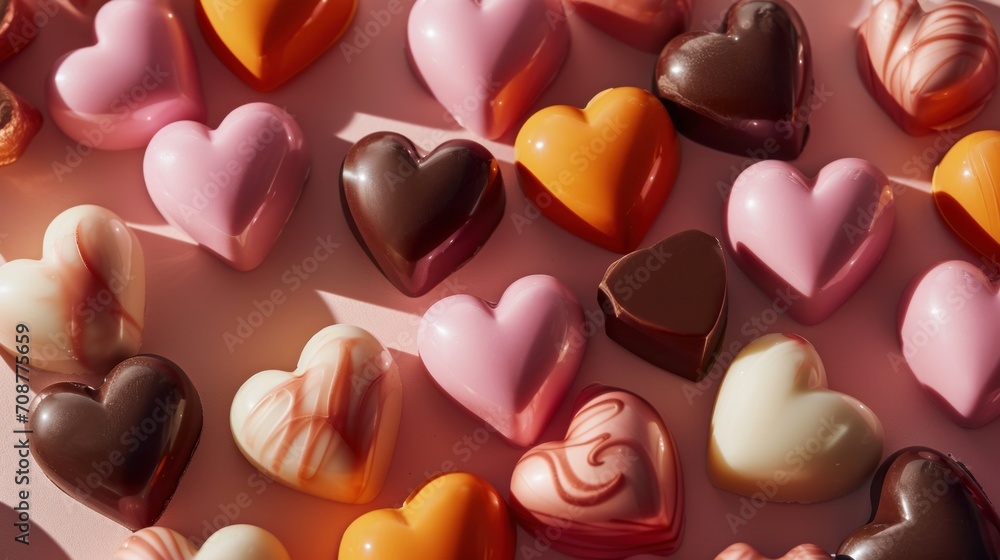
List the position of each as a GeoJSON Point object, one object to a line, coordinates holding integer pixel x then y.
{"type": "Point", "coordinates": [329, 427]}
{"type": "Point", "coordinates": [778, 433]}
{"type": "Point", "coordinates": [84, 301]}
{"type": "Point", "coordinates": [243, 542]}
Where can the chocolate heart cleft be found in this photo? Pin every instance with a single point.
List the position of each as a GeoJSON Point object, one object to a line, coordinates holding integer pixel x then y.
{"type": "Point", "coordinates": [667, 304]}
{"type": "Point", "coordinates": [746, 90]}
{"type": "Point", "coordinates": [925, 505]}
{"type": "Point", "coordinates": [120, 448]}
{"type": "Point", "coordinates": [420, 218]}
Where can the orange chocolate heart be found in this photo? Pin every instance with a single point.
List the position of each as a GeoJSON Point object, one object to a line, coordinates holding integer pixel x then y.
{"type": "Point", "coordinates": [266, 42]}
{"type": "Point", "coordinates": [966, 191]}
{"type": "Point", "coordinates": [603, 172]}
{"type": "Point", "coordinates": [455, 516]}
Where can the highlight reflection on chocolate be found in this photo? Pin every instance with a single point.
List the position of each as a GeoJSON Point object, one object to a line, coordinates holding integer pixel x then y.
{"type": "Point", "coordinates": [744, 90]}
{"type": "Point", "coordinates": [668, 304]}
{"type": "Point", "coordinates": [120, 448]}
{"type": "Point", "coordinates": [925, 505]}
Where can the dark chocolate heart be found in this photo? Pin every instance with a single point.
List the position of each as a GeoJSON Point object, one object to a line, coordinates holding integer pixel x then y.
{"type": "Point", "coordinates": [420, 219]}
{"type": "Point", "coordinates": [667, 304]}
{"type": "Point", "coordinates": [925, 506]}
{"type": "Point", "coordinates": [743, 90]}
{"type": "Point", "coordinates": [120, 448]}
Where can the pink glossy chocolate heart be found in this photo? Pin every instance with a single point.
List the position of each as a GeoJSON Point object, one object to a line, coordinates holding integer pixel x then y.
{"type": "Point", "coordinates": [231, 189]}
{"type": "Point", "coordinates": [510, 363]}
{"type": "Point", "coordinates": [932, 70]}
{"type": "Point", "coordinates": [949, 326]}
{"type": "Point", "coordinates": [140, 76]}
{"type": "Point", "coordinates": [743, 551]}
{"type": "Point", "coordinates": [611, 488]}
{"type": "Point", "coordinates": [644, 24]}
{"type": "Point", "coordinates": [487, 61]}
{"type": "Point", "coordinates": [809, 243]}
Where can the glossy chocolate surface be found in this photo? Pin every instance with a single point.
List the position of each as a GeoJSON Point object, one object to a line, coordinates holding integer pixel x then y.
{"type": "Point", "coordinates": [925, 506]}
{"type": "Point", "coordinates": [120, 448]}
{"type": "Point", "coordinates": [420, 218]}
{"type": "Point", "coordinates": [742, 90]}
{"type": "Point", "coordinates": [667, 304]}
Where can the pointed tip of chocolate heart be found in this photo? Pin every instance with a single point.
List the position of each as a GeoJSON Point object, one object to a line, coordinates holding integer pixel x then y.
{"type": "Point", "coordinates": [668, 303]}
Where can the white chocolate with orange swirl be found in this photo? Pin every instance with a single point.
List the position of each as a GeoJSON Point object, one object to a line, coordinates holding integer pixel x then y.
{"type": "Point", "coordinates": [329, 427]}
{"type": "Point", "coordinates": [245, 542]}
{"type": "Point", "coordinates": [931, 70]}
{"type": "Point", "coordinates": [84, 302]}
{"type": "Point", "coordinates": [612, 488]}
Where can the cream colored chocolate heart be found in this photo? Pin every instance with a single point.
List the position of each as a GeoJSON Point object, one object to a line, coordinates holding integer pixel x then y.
{"type": "Point", "coordinates": [243, 542]}
{"type": "Point", "coordinates": [329, 427]}
{"type": "Point", "coordinates": [779, 434]}
{"type": "Point", "coordinates": [83, 303]}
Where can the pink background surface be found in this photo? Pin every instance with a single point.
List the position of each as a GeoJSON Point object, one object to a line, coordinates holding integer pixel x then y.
{"type": "Point", "coordinates": [194, 299]}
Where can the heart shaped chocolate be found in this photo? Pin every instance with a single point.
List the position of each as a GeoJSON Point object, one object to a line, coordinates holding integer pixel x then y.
{"type": "Point", "coordinates": [667, 304]}
{"type": "Point", "coordinates": [932, 70]}
{"type": "Point", "coordinates": [329, 427]}
{"type": "Point", "coordinates": [643, 24]}
{"type": "Point", "coordinates": [510, 363]}
{"type": "Point", "coordinates": [140, 76]}
{"type": "Point", "coordinates": [84, 301]}
{"type": "Point", "coordinates": [19, 122]}
{"type": "Point", "coordinates": [811, 242]}
{"type": "Point", "coordinates": [508, 52]}
{"type": "Point", "coordinates": [778, 433]}
{"type": "Point", "coordinates": [420, 218]}
{"type": "Point", "coordinates": [231, 189]}
{"type": "Point", "coordinates": [966, 191]}
{"type": "Point", "coordinates": [925, 505]}
{"type": "Point", "coordinates": [611, 488]}
{"type": "Point", "coordinates": [604, 172]}
{"type": "Point", "coordinates": [267, 42]}
{"type": "Point", "coordinates": [949, 325]}
{"type": "Point", "coordinates": [120, 448]}
{"type": "Point", "coordinates": [745, 89]}
{"type": "Point", "coordinates": [245, 542]}
{"type": "Point", "coordinates": [743, 551]}
{"type": "Point", "coordinates": [454, 516]}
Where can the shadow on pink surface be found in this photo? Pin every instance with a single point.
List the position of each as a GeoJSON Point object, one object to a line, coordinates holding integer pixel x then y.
{"type": "Point", "coordinates": [39, 543]}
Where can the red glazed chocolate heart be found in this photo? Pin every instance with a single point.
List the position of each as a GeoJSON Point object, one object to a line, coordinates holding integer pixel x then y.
{"type": "Point", "coordinates": [420, 218]}
{"type": "Point", "coordinates": [742, 90]}
{"type": "Point", "coordinates": [120, 448]}
{"type": "Point", "coordinates": [925, 505]}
